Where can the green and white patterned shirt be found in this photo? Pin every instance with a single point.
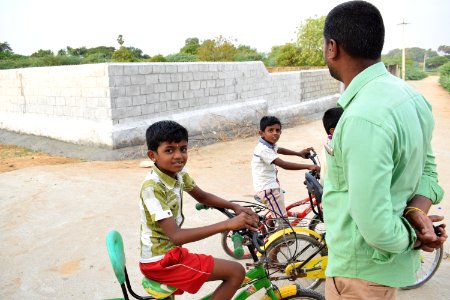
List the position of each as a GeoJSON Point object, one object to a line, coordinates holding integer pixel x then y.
{"type": "Point", "coordinates": [161, 198]}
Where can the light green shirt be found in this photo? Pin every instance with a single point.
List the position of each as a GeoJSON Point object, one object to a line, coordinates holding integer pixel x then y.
{"type": "Point", "coordinates": [161, 198]}
{"type": "Point", "coordinates": [382, 158]}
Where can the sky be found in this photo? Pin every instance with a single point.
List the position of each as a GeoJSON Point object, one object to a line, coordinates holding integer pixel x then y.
{"type": "Point", "coordinates": [161, 27]}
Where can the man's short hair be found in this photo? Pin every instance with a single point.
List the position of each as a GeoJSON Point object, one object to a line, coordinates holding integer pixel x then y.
{"type": "Point", "coordinates": [357, 26]}
{"type": "Point", "coordinates": [268, 121]}
{"type": "Point", "coordinates": [165, 131]}
{"type": "Point", "coordinates": [331, 118]}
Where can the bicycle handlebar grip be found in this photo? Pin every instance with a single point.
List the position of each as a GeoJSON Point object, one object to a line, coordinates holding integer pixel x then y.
{"type": "Point", "coordinates": [200, 206]}
{"type": "Point", "coordinates": [237, 243]}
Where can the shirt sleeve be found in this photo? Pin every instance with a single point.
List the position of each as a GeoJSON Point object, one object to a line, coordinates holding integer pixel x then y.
{"type": "Point", "coordinates": [268, 155]}
{"type": "Point", "coordinates": [155, 201]}
{"type": "Point", "coordinates": [428, 184]}
{"type": "Point", "coordinates": [367, 162]}
{"type": "Point", "coordinates": [188, 182]}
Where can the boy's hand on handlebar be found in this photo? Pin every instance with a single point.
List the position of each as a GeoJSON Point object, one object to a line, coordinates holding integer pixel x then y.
{"type": "Point", "coordinates": [240, 209]}
{"type": "Point", "coordinates": [305, 153]}
{"type": "Point", "coordinates": [314, 168]}
{"type": "Point", "coordinates": [243, 220]}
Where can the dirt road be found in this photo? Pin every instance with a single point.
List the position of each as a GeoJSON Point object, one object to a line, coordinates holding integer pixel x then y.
{"type": "Point", "coordinates": [54, 218]}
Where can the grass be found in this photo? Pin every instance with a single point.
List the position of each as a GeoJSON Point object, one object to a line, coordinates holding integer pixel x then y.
{"type": "Point", "coordinates": [10, 151]}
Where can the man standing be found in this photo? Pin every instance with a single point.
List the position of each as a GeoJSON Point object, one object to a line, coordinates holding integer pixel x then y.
{"type": "Point", "coordinates": [381, 178]}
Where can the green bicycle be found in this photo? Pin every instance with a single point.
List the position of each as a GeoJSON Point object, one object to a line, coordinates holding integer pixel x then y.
{"type": "Point", "coordinates": [257, 277]}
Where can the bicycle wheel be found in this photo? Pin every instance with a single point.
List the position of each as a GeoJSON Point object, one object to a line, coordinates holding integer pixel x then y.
{"type": "Point", "coordinates": [283, 250]}
{"type": "Point", "coordinates": [227, 245]}
{"type": "Point", "coordinates": [429, 263]}
{"type": "Point", "coordinates": [303, 294]}
{"type": "Point", "coordinates": [317, 225]}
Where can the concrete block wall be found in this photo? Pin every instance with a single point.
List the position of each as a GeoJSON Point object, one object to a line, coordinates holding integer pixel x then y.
{"type": "Point", "coordinates": [111, 105]}
{"type": "Point", "coordinates": [69, 103]}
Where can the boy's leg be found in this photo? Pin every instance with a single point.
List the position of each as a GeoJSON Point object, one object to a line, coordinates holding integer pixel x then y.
{"type": "Point", "coordinates": [274, 200]}
{"type": "Point", "coordinates": [231, 273]}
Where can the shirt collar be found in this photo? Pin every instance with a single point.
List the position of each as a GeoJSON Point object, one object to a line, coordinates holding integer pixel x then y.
{"type": "Point", "coordinates": [360, 81]}
{"type": "Point", "coordinates": [264, 142]}
{"type": "Point", "coordinates": [168, 181]}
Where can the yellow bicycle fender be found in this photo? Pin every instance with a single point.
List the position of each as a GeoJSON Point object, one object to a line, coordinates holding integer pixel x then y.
{"type": "Point", "coordinates": [281, 232]}
{"type": "Point", "coordinates": [321, 262]}
{"type": "Point", "coordinates": [285, 291]}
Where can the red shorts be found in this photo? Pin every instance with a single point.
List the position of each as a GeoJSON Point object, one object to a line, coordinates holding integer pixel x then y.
{"type": "Point", "coordinates": [181, 269]}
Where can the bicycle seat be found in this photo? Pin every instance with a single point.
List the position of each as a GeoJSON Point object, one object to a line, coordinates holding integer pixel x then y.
{"type": "Point", "coordinates": [116, 253]}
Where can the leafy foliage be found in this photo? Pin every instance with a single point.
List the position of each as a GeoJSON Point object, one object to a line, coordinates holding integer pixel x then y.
{"type": "Point", "coordinates": [4, 47]}
{"type": "Point", "coordinates": [191, 46]}
{"type": "Point", "coordinates": [416, 54]}
{"type": "Point", "coordinates": [218, 49]}
{"type": "Point", "coordinates": [288, 55]}
{"type": "Point", "coordinates": [157, 58]}
{"type": "Point", "coordinates": [444, 48]}
{"type": "Point", "coordinates": [415, 73]}
{"type": "Point", "coordinates": [444, 76]}
{"type": "Point", "coordinates": [246, 53]}
{"type": "Point", "coordinates": [42, 53]}
{"type": "Point", "coordinates": [181, 57]}
{"type": "Point", "coordinates": [310, 41]}
{"type": "Point", "coordinates": [436, 62]}
{"type": "Point", "coordinates": [123, 55]}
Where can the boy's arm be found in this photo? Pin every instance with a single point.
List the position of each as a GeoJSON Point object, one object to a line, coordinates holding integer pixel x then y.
{"type": "Point", "coordinates": [180, 236]}
{"type": "Point", "coordinates": [304, 153]}
{"type": "Point", "coordinates": [213, 200]}
{"type": "Point", "coordinates": [294, 166]}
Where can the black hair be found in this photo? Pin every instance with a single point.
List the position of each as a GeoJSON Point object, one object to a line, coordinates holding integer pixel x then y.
{"type": "Point", "coordinates": [331, 118]}
{"type": "Point", "coordinates": [268, 121]}
{"type": "Point", "coordinates": [165, 131]}
{"type": "Point", "coordinates": [357, 26]}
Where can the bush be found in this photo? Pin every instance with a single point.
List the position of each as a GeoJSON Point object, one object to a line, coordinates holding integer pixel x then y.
{"type": "Point", "coordinates": [181, 57]}
{"type": "Point", "coordinates": [444, 76]}
{"type": "Point", "coordinates": [415, 74]}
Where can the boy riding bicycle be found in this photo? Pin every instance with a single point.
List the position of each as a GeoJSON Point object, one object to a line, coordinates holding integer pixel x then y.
{"type": "Point", "coordinates": [264, 165]}
{"type": "Point", "coordinates": [163, 258]}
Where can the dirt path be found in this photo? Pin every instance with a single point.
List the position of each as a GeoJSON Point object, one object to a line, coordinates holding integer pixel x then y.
{"type": "Point", "coordinates": [54, 218]}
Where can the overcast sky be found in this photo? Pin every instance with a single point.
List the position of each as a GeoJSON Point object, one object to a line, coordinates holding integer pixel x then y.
{"type": "Point", "coordinates": [161, 27]}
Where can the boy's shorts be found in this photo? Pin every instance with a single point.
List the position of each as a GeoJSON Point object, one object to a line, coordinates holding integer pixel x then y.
{"type": "Point", "coordinates": [274, 200]}
{"type": "Point", "coordinates": [181, 269]}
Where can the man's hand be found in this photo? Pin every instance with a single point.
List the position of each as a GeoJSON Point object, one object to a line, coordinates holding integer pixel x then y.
{"type": "Point", "coordinates": [426, 236]}
{"type": "Point", "coordinates": [314, 168]}
{"type": "Point", "coordinates": [305, 153]}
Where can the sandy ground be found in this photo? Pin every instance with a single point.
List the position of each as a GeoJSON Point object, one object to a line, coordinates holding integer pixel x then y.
{"type": "Point", "coordinates": [54, 217]}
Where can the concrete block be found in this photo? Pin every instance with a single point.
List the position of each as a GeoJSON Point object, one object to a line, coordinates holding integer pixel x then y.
{"type": "Point", "coordinates": [160, 87]}
{"type": "Point", "coordinates": [139, 100]}
{"type": "Point", "coordinates": [150, 79]}
{"type": "Point", "coordinates": [152, 98]}
{"type": "Point", "coordinates": [132, 90]}
{"type": "Point", "coordinates": [130, 70]}
{"type": "Point", "coordinates": [138, 79]}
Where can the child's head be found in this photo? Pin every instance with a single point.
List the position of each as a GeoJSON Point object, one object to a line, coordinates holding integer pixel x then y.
{"type": "Point", "coordinates": [167, 143]}
{"type": "Point", "coordinates": [331, 118]}
{"type": "Point", "coordinates": [270, 129]}
{"type": "Point", "coordinates": [268, 121]}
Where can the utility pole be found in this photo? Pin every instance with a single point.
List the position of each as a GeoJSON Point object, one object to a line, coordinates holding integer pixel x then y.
{"type": "Point", "coordinates": [403, 50]}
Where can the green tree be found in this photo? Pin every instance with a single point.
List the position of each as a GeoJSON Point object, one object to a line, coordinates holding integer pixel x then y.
{"type": "Point", "coordinates": [219, 49]}
{"type": "Point", "coordinates": [4, 47]}
{"type": "Point", "coordinates": [191, 46]}
{"type": "Point", "coordinates": [120, 40]}
{"type": "Point", "coordinates": [158, 58]}
{"type": "Point", "coordinates": [246, 53]}
{"type": "Point", "coordinates": [310, 41]}
{"type": "Point", "coordinates": [444, 48]}
{"type": "Point", "coordinates": [271, 60]}
{"type": "Point", "coordinates": [123, 55]}
{"type": "Point", "coordinates": [288, 56]}
{"type": "Point", "coordinates": [80, 52]}
{"type": "Point", "coordinates": [62, 52]}
{"type": "Point", "coordinates": [42, 53]}
{"type": "Point", "coordinates": [436, 62]}
{"type": "Point", "coordinates": [181, 57]}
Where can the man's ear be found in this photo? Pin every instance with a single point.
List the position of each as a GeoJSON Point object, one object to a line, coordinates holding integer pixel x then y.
{"type": "Point", "coordinates": [332, 49]}
{"type": "Point", "coordinates": [152, 155]}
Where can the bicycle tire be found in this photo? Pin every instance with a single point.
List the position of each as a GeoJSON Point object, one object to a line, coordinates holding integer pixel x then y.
{"type": "Point", "coordinates": [227, 246]}
{"type": "Point", "coordinates": [317, 225]}
{"type": "Point", "coordinates": [429, 263]}
{"type": "Point", "coordinates": [281, 251]}
{"type": "Point", "coordinates": [304, 294]}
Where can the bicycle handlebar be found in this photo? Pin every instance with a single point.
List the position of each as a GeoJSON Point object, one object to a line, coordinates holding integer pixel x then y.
{"type": "Point", "coordinates": [237, 237]}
